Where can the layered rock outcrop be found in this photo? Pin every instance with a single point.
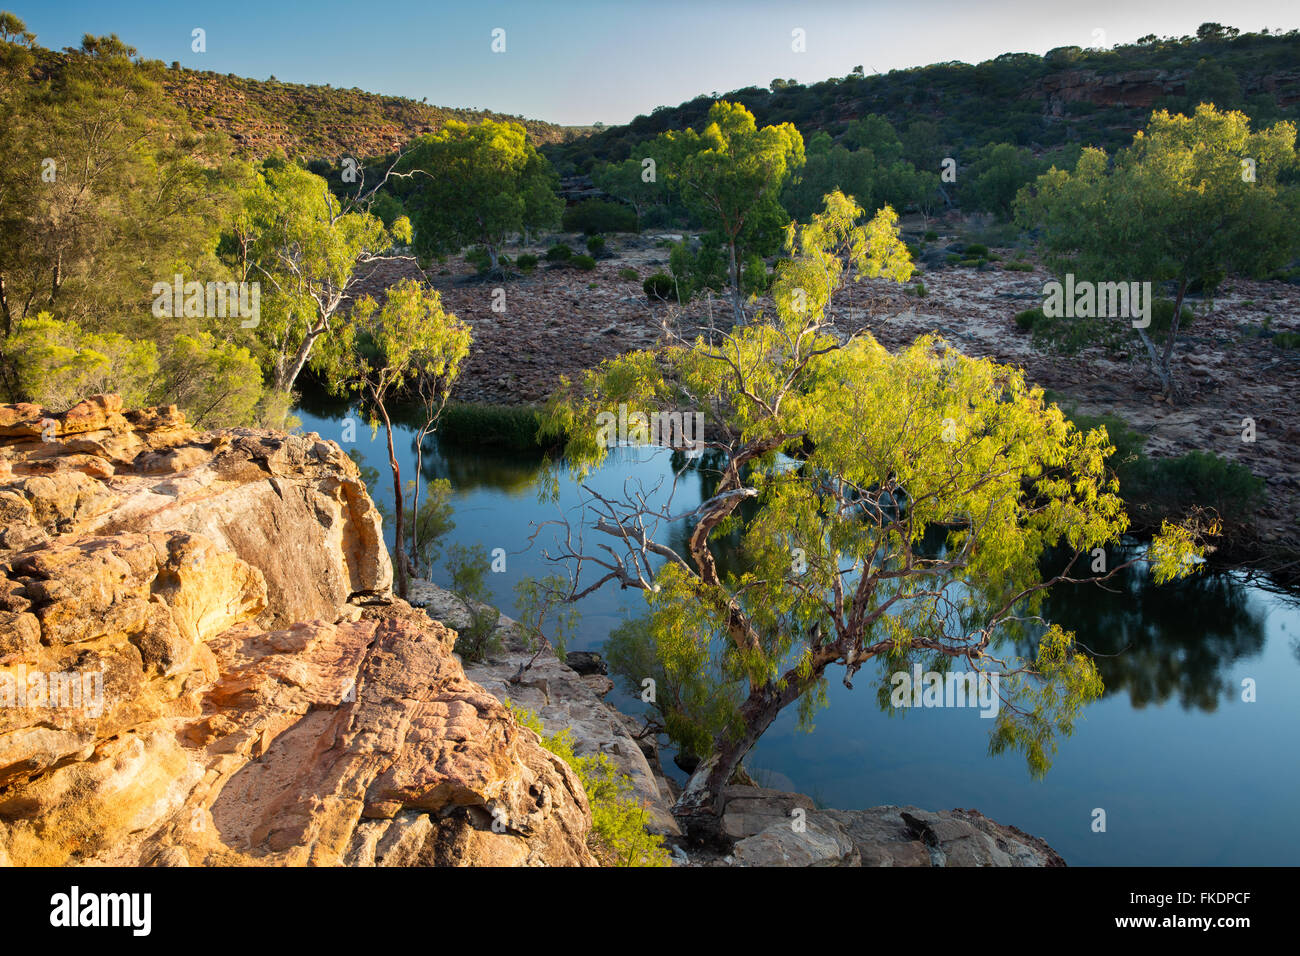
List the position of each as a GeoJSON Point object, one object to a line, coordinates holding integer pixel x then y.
{"type": "Point", "coordinates": [201, 663]}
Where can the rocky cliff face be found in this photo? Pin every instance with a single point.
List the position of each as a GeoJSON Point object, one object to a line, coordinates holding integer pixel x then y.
{"type": "Point", "coordinates": [201, 663]}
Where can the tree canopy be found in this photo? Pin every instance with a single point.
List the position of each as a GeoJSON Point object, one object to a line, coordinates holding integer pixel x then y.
{"type": "Point", "coordinates": [842, 459]}
{"type": "Point", "coordinates": [730, 174]}
{"type": "Point", "coordinates": [478, 184]}
{"type": "Point", "coordinates": [1193, 198]}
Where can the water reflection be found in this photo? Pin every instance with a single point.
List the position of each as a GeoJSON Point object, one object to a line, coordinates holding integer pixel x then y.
{"type": "Point", "coordinates": [1157, 643]}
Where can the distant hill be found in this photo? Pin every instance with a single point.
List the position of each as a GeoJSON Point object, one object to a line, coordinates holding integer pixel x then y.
{"type": "Point", "coordinates": [1069, 95]}
{"type": "Point", "coordinates": [264, 117]}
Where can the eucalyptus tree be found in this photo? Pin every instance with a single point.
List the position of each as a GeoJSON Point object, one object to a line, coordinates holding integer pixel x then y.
{"type": "Point", "coordinates": [306, 248]}
{"type": "Point", "coordinates": [408, 341]}
{"type": "Point", "coordinates": [1192, 199]}
{"type": "Point", "coordinates": [841, 457]}
{"type": "Point", "coordinates": [730, 174]}
{"type": "Point", "coordinates": [478, 184]}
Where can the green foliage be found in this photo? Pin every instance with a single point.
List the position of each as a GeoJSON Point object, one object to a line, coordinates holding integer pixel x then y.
{"type": "Point", "coordinates": [593, 216]}
{"type": "Point", "coordinates": [730, 175]}
{"type": "Point", "coordinates": [1162, 315]}
{"type": "Point", "coordinates": [618, 831]}
{"type": "Point", "coordinates": [754, 279]}
{"type": "Point", "coordinates": [660, 287]}
{"type": "Point", "coordinates": [558, 253]}
{"type": "Point", "coordinates": [949, 109]}
{"type": "Point", "coordinates": [996, 174]}
{"type": "Point", "coordinates": [1287, 340]}
{"type": "Point", "coordinates": [628, 274]}
{"type": "Point", "coordinates": [542, 606]}
{"type": "Point", "coordinates": [862, 174]}
{"type": "Point", "coordinates": [697, 270]}
{"type": "Point", "coordinates": [59, 363]}
{"type": "Point", "coordinates": [215, 383]}
{"type": "Point", "coordinates": [628, 181]}
{"type": "Point", "coordinates": [1026, 320]}
{"type": "Point", "coordinates": [584, 263]}
{"type": "Point", "coordinates": [527, 263]}
{"type": "Point", "coordinates": [479, 184]}
{"type": "Point", "coordinates": [930, 235]}
{"type": "Point", "coordinates": [304, 250]}
{"type": "Point", "coordinates": [1161, 490]}
{"type": "Point", "coordinates": [696, 697]}
{"type": "Point", "coordinates": [871, 469]}
{"type": "Point", "coordinates": [1175, 205]}
{"type": "Point", "coordinates": [410, 342]}
{"type": "Point", "coordinates": [433, 521]}
{"type": "Point", "coordinates": [136, 194]}
{"type": "Point", "coordinates": [596, 245]}
{"type": "Point", "coordinates": [975, 251]}
{"type": "Point", "coordinates": [468, 567]}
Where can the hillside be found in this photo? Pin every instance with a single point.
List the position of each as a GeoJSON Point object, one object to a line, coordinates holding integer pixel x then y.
{"type": "Point", "coordinates": [264, 117]}
{"type": "Point", "coordinates": [1070, 95]}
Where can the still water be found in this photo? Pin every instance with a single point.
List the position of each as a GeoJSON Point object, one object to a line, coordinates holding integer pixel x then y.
{"type": "Point", "coordinates": [1186, 771]}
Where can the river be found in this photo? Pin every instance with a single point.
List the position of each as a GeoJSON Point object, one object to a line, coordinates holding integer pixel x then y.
{"type": "Point", "coordinates": [1187, 772]}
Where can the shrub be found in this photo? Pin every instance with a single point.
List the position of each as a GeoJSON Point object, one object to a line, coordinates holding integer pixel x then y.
{"type": "Point", "coordinates": [596, 245]}
{"type": "Point", "coordinates": [1019, 266]}
{"type": "Point", "coordinates": [502, 426]}
{"type": "Point", "coordinates": [618, 833]}
{"type": "Point", "coordinates": [1287, 340]}
{"type": "Point", "coordinates": [628, 273]}
{"type": "Point", "coordinates": [1027, 319]}
{"type": "Point", "coordinates": [558, 253]}
{"type": "Point", "coordinates": [1173, 486]}
{"type": "Point", "coordinates": [594, 216]}
{"type": "Point", "coordinates": [59, 364]}
{"type": "Point", "coordinates": [1162, 315]}
{"type": "Point", "coordinates": [215, 383]}
{"type": "Point", "coordinates": [585, 263]}
{"type": "Point", "coordinates": [659, 287]}
{"type": "Point", "coordinates": [919, 290]}
{"type": "Point", "coordinates": [1158, 489]}
{"type": "Point", "coordinates": [526, 263]}
{"type": "Point", "coordinates": [975, 250]}
{"type": "Point", "coordinates": [930, 235]}
{"type": "Point", "coordinates": [698, 269]}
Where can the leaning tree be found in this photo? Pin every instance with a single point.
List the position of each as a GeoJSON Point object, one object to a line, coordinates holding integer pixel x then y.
{"type": "Point", "coordinates": [840, 461]}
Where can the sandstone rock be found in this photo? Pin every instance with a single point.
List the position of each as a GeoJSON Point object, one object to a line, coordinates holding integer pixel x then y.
{"type": "Point", "coordinates": [207, 693]}
{"type": "Point", "coordinates": [562, 699]}
{"type": "Point", "coordinates": [768, 832]}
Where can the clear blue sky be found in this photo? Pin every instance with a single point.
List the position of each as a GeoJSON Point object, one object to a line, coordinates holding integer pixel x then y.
{"type": "Point", "coordinates": [581, 61]}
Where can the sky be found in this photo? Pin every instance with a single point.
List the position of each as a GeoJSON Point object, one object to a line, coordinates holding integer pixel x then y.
{"type": "Point", "coordinates": [577, 62]}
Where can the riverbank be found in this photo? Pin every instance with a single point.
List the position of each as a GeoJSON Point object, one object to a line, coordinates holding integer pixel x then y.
{"type": "Point", "coordinates": [767, 827]}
